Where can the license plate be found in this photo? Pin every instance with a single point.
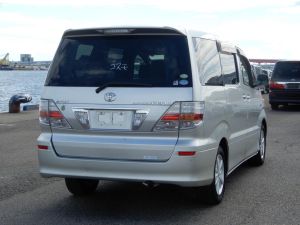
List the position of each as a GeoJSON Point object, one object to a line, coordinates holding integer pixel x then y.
{"type": "Point", "coordinates": [111, 119]}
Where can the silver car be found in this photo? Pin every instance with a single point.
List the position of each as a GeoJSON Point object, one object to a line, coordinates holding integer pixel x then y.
{"type": "Point", "coordinates": [154, 105]}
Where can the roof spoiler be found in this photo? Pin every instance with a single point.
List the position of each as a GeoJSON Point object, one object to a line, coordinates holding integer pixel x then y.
{"type": "Point", "coordinates": [123, 31]}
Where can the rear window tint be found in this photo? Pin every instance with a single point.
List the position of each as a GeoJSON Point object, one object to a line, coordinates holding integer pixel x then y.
{"type": "Point", "coordinates": [155, 60]}
{"type": "Point", "coordinates": [286, 71]}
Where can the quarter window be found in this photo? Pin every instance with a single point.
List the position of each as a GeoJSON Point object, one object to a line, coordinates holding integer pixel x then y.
{"type": "Point", "coordinates": [208, 61]}
{"type": "Point", "coordinates": [230, 75]}
{"type": "Point", "coordinates": [246, 73]}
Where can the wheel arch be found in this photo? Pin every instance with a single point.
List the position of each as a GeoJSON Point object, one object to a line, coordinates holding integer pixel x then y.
{"type": "Point", "coordinates": [225, 147]}
{"type": "Point", "coordinates": [264, 122]}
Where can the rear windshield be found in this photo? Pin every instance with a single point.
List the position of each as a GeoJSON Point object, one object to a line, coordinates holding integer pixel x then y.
{"type": "Point", "coordinates": [287, 71]}
{"type": "Point", "coordinates": [155, 61]}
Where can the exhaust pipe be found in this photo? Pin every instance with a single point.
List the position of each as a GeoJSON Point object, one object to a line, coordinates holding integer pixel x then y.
{"type": "Point", "coordinates": [150, 184]}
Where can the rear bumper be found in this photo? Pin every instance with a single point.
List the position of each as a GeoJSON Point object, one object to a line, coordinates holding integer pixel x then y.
{"type": "Point", "coordinates": [194, 170]}
{"type": "Point", "coordinates": [284, 96]}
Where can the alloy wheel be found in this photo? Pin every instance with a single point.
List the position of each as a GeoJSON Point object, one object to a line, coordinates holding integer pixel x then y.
{"type": "Point", "coordinates": [219, 174]}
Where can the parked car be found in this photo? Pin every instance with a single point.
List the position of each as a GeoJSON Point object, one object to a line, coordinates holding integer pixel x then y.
{"type": "Point", "coordinates": [285, 84]}
{"type": "Point", "coordinates": [257, 71]}
{"type": "Point", "coordinates": [153, 105]}
{"type": "Point", "coordinates": [267, 72]}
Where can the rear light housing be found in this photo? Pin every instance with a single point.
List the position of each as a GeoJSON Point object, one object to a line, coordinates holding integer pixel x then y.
{"type": "Point", "coordinates": [276, 85]}
{"type": "Point", "coordinates": [181, 115]}
{"type": "Point", "coordinates": [50, 115]}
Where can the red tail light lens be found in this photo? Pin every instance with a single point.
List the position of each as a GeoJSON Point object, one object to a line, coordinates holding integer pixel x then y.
{"type": "Point", "coordinates": [55, 115]}
{"type": "Point", "coordinates": [275, 85]}
{"type": "Point", "coordinates": [191, 114]}
{"type": "Point", "coordinates": [181, 115]}
{"type": "Point", "coordinates": [170, 117]}
{"type": "Point", "coordinates": [170, 120]}
{"type": "Point", "coordinates": [191, 117]}
{"type": "Point", "coordinates": [51, 115]}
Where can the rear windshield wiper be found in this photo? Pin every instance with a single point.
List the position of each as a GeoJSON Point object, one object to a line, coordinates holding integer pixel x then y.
{"type": "Point", "coordinates": [113, 84]}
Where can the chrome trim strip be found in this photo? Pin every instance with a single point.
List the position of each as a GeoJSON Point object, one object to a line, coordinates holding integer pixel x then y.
{"type": "Point", "coordinates": [108, 107]}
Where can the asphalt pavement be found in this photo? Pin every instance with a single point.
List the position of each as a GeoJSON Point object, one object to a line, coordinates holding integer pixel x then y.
{"type": "Point", "coordinates": [269, 194]}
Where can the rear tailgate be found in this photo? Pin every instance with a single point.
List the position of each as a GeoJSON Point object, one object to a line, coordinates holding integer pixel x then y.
{"type": "Point", "coordinates": [125, 143]}
{"type": "Point", "coordinates": [112, 86]}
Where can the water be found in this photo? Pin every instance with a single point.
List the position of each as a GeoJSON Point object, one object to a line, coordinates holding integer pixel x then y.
{"type": "Point", "coordinates": [14, 82]}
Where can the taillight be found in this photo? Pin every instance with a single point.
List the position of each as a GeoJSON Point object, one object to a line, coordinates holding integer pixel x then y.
{"type": "Point", "coordinates": [44, 119]}
{"type": "Point", "coordinates": [191, 114]}
{"type": "Point", "coordinates": [181, 115]}
{"type": "Point", "coordinates": [51, 115]}
{"type": "Point", "coordinates": [275, 85]}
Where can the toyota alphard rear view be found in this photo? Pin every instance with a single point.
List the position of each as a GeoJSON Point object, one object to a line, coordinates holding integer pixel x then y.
{"type": "Point", "coordinates": [154, 105]}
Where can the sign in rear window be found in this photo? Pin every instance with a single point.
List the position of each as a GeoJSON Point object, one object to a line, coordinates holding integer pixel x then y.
{"type": "Point", "coordinates": [154, 60]}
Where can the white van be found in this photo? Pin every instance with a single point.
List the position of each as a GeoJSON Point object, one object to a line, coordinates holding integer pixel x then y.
{"type": "Point", "coordinates": [154, 105]}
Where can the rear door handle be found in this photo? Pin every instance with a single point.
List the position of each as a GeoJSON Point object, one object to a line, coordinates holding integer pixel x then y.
{"type": "Point", "coordinates": [246, 97]}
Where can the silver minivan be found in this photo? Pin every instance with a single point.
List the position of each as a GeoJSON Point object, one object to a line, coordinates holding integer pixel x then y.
{"type": "Point", "coordinates": [152, 105]}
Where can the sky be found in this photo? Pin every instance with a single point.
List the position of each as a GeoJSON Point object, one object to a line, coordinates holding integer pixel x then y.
{"type": "Point", "coordinates": [266, 29]}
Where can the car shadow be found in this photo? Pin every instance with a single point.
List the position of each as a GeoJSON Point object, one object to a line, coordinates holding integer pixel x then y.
{"type": "Point", "coordinates": [120, 202]}
{"type": "Point", "coordinates": [293, 108]}
{"type": "Point", "coordinates": [129, 203]}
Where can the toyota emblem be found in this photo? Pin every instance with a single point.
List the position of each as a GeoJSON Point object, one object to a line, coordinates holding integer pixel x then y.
{"type": "Point", "coordinates": [110, 97]}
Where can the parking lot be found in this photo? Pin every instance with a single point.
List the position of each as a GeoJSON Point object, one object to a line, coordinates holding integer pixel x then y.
{"type": "Point", "coordinates": [254, 195]}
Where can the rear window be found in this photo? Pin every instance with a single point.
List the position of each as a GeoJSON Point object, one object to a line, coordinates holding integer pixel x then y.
{"type": "Point", "coordinates": [287, 71]}
{"type": "Point", "coordinates": [157, 61]}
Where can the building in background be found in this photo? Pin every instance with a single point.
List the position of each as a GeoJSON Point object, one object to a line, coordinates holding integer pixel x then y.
{"type": "Point", "coordinates": [26, 58]}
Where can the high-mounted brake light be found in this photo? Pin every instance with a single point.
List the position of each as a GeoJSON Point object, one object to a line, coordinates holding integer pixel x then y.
{"type": "Point", "coordinates": [51, 115]}
{"type": "Point", "coordinates": [117, 31]}
{"type": "Point", "coordinates": [181, 115]}
{"type": "Point", "coordinates": [275, 85]}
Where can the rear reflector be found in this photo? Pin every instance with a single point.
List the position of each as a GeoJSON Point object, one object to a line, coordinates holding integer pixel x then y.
{"type": "Point", "coordinates": [42, 147]}
{"type": "Point", "coordinates": [189, 153]}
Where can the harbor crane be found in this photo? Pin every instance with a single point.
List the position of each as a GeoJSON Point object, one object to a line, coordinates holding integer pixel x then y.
{"type": "Point", "coordinates": [5, 60]}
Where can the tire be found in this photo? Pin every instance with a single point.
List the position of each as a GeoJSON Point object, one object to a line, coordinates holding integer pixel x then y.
{"type": "Point", "coordinates": [274, 106]}
{"type": "Point", "coordinates": [215, 191]}
{"type": "Point", "coordinates": [81, 187]}
{"type": "Point", "coordinates": [260, 157]}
